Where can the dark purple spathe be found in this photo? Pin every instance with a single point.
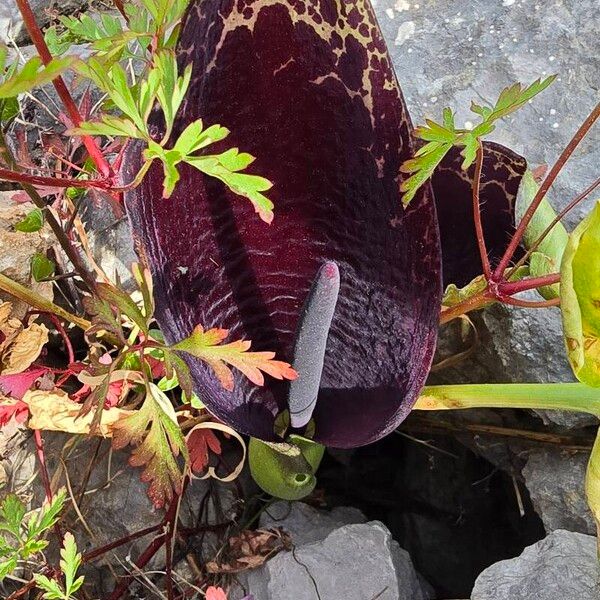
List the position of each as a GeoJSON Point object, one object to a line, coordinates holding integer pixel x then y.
{"type": "Point", "coordinates": [308, 89]}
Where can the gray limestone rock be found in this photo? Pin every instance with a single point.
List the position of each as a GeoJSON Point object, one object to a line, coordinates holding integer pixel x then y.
{"type": "Point", "coordinates": [11, 24]}
{"type": "Point", "coordinates": [336, 554]}
{"type": "Point", "coordinates": [354, 562]}
{"type": "Point", "coordinates": [555, 481]}
{"type": "Point", "coordinates": [447, 53]}
{"type": "Point", "coordinates": [562, 566]}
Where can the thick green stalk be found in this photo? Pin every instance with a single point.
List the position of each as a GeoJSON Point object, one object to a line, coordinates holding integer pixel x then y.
{"type": "Point", "coordinates": [547, 396]}
{"type": "Point", "coordinates": [38, 301]}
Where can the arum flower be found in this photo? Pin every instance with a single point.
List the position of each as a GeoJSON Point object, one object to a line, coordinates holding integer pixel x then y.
{"type": "Point", "coordinates": [346, 282]}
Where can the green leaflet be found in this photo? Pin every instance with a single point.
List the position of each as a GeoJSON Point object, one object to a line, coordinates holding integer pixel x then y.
{"type": "Point", "coordinates": [285, 470]}
{"type": "Point", "coordinates": [547, 257]}
{"type": "Point", "coordinates": [580, 298]}
{"type": "Point", "coordinates": [41, 267]}
{"type": "Point", "coordinates": [454, 295]}
{"type": "Point", "coordinates": [32, 222]}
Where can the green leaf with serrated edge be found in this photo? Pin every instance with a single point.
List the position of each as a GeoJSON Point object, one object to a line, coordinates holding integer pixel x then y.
{"type": "Point", "coordinates": [550, 251]}
{"type": "Point", "coordinates": [7, 567]}
{"type": "Point", "coordinates": [580, 298]}
{"type": "Point", "coordinates": [33, 74]}
{"type": "Point", "coordinates": [48, 515]}
{"type": "Point", "coordinates": [104, 318]}
{"type": "Point", "coordinates": [422, 169]}
{"type": "Point", "coordinates": [70, 561]}
{"type": "Point", "coordinates": [123, 302]}
{"type": "Point", "coordinates": [285, 470]}
{"type": "Point", "coordinates": [441, 137]}
{"type": "Point", "coordinates": [41, 267]}
{"type": "Point", "coordinates": [176, 366]}
{"type": "Point", "coordinates": [32, 222]}
{"type": "Point", "coordinates": [158, 441]}
{"type": "Point", "coordinates": [12, 511]}
{"type": "Point", "coordinates": [249, 186]}
{"type": "Point", "coordinates": [110, 127]}
{"type": "Point", "coordinates": [9, 109]}
{"type": "Point", "coordinates": [208, 346]}
{"type": "Point", "coordinates": [52, 591]}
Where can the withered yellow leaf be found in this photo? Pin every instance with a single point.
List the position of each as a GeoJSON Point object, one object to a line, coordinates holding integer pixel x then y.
{"type": "Point", "coordinates": [55, 411]}
{"type": "Point", "coordinates": [24, 349]}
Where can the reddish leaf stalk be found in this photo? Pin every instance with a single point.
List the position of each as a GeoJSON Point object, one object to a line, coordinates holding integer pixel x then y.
{"type": "Point", "coordinates": [541, 193]}
{"type": "Point", "coordinates": [531, 303]}
{"type": "Point", "coordinates": [508, 288]}
{"type": "Point", "coordinates": [39, 446]}
{"type": "Point", "coordinates": [61, 89]}
{"type": "Point", "coordinates": [60, 182]}
{"type": "Point", "coordinates": [63, 239]}
{"type": "Point", "coordinates": [502, 292]}
{"type": "Point", "coordinates": [61, 331]}
{"type": "Point", "coordinates": [485, 262]}
{"type": "Point", "coordinates": [94, 554]}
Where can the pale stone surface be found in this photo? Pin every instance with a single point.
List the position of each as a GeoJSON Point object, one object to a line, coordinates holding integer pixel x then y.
{"type": "Point", "coordinates": [17, 248]}
{"type": "Point", "coordinates": [11, 24]}
{"type": "Point", "coordinates": [336, 555]}
{"type": "Point", "coordinates": [562, 566]}
{"type": "Point", "coordinates": [555, 480]}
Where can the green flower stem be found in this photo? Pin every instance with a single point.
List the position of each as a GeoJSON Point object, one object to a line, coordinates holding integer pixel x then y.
{"type": "Point", "coordinates": [546, 396]}
{"type": "Point", "coordinates": [39, 302]}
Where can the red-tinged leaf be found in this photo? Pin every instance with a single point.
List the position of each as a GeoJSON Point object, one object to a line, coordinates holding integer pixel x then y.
{"type": "Point", "coordinates": [199, 442]}
{"type": "Point", "coordinates": [215, 593]}
{"type": "Point", "coordinates": [157, 441]}
{"type": "Point", "coordinates": [206, 345]}
{"type": "Point", "coordinates": [314, 98]}
{"type": "Point", "coordinates": [10, 408]}
{"type": "Point", "coordinates": [17, 384]}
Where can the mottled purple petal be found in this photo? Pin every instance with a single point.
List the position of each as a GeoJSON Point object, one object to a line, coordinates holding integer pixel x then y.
{"type": "Point", "coordinates": [500, 179]}
{"type": "Point", "coordinates": [307, 87]}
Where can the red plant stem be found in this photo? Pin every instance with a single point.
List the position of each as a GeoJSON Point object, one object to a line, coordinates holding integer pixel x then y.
{"type": "Point", "coordinates": [541, 193]}
{"type": "Point", "coordinates": [61, 89]}
{"type": "Point", "coordinates": [508, 288]}
{"type": "Point", "coordinates": [473, 303]}
{"type": "Point", "coordinates": [61, 331]}
{"type": "Point", "coordinates": [63, 239]}
{"type": "Point", "coordinates": [60, 182]}
{"type": "Point", "coordinates": [502, 292]}
{"type": "Point", "coordinates": [552, 224]}
{"type": "Point", "coordinates": [151, 550]}
{"type": "Point", "coordinates": [93, 554]}
{"type": "Point", "coordinates": [169, 561]}
{"type": "Point", "coordinates": [485, 262]}
{"type": "Point", "coordinates": [39, 446]}
{"type": "Point", "coordinates": [531, 303]}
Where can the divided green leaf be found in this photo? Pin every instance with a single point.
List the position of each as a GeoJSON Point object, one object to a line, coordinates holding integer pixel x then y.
{"type": "Point", "coordinates": [441, 137]}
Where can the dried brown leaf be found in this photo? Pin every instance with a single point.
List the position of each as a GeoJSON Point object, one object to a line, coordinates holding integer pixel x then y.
{"type": "Point", "coordinates": [55, 411]}
{"type": "Point", "coordinates": [24, 349]}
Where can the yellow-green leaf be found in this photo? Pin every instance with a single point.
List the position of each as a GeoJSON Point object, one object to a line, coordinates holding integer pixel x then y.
{"type": "Point", "coordinates": [580, 299]}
